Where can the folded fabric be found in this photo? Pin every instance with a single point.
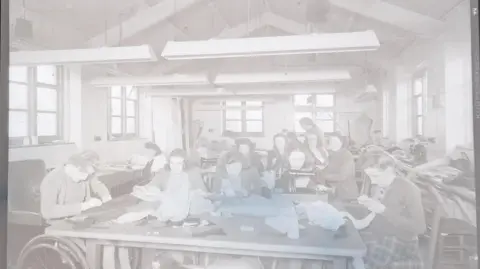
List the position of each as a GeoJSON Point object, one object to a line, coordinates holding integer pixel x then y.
{"type": "Point", "coordinates": [286, 223]}
{"type": "Point", "coordinates": [255, 206]}
{"type": "Point", "coordinates": [147, 193]}
{"type": "Point", "coordinates": [133, 216]}
{"type": "Point", "coordinates": [324, 215]}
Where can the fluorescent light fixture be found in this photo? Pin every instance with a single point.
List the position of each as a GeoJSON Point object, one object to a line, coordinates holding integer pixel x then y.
{"type": "Point", "coordinates": [104, 55]}
{"type": "Point", "coordinates": [283, 77]}
{"type": "Point", "coordinates": [227, 79]}
{"type": "Point", "coordinates": [250, 91]}
{"type": "Point", "coordinates": [270, 46]}
{"type": "Point", "coordinates": [170, 80]}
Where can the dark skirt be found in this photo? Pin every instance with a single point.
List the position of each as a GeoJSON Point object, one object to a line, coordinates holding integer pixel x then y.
{"type": "Point", "coordinates": [391, 252]}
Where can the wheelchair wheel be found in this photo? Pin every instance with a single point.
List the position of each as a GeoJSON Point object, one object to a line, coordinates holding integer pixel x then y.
{"type": "Point", "coordinates": [46, 256]}
{"type": "Point", "coordinates": [72, 250]}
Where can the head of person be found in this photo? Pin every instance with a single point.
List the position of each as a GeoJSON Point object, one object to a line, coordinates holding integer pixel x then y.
{"type": "Point", "coordinates": [228, 138]}
{"type": "Point", "coordinates": [245, 146]}
{"type": "Point", "coordinates": [306, 123]}
{"type": "Point", "coordinates": [383, 172]}
{"type": "Point", "coordinates": [90, 156]}
{"type": "Point", "coordinates": [177, 161]}
{"type": "Point", "coordinates": [297, 159]}
{"type": "Point", "coordinates": [335, 142]}
{"type": "Point", "coordinates": [78, 168]}
{"type": "Point", "coordinates": [280, 142]}
{"type": "Point", "coordinates": [153, 149]}
{"type": "Point", "coordinates": [234, 163]}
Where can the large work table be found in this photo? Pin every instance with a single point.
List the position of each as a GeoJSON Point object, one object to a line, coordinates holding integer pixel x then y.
{"type": "Point", "coordinates": [314, 244]}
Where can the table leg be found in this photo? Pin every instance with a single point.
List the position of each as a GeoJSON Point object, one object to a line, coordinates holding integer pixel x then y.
{"type": "Point", "coordinates": [340, 263]}
{"type": "Point", "coordinates": [93, 254]}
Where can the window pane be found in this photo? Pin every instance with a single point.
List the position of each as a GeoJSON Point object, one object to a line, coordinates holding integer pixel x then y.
{"type": "Point", "coordinates": [18, 74]}
{"type": "Point", "coordinates": [323, 115]}
{"type": "Point", "coordinates": [18, 95]}
{"type": "Point", "coordinates": [254, 126]}
{"type": "Point", "coordinates": [131, 108]}
{"type": "Point", "coordinates": [18, 124]}
{"type": "Point", "coordinates": [233, 103]}
{"type": "Point", "coordinates": [326, 125]}
{"type": "Point", "coordinates": [254, 115]}
{"type": "Point", "coordinates": [131, 126]}
{"type": "Point", "coordinates": [47, 74]}
{"type": "Point", "coordinates": [46, 99]}
{"type": "Point", "coordinates": [420, 126]}
{"type": "Point", "coordinates": [302, 100]}
{"type": "Point", "coordinates": [132, 92]}
{"type": "Point", "coordinates": [233, 114]}
{"type": "Point", "coordinates": [116, 125]}
{"type": "Point", "coordinates": [116, 107]}
{"type": "Point", "coordinates": [298, 116]}
{"type": "Point", "coordinates": [46, 124]}
{"type": "Point", "coordinates": [324, 100]}
{"type": "Point", "coordinates": [419, 106]}
{"type": "Point", "coordinates": [254, 103]}
{"type": "Point", "coordinates": [116, 91]}
{"type": "Point", "coordinates": [234, 126]}
{"type": "Point", "coordinates": [417, 87]}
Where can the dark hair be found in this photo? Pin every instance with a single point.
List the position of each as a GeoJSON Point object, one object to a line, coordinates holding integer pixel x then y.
{"type": "Point", "coordinates": [154, 147]}
{"type": "Point", "coordinates": [383, 162]}
{"type": "Point", "coordinates": [180, 153]}
{"type": "Point", "coordinates": [306, 121]}
{"type": "Point", "coordinates": [245, 141]}
{"type": "Point", "coordinates": [90, 156]}
{"type": "Point", "coordinates": [79, 161]}
{"type": "Point", "coordinates": [228, 133]}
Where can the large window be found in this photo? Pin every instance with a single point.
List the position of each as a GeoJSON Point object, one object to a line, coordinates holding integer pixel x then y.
{"type": "Point", "coordinates": [244, 118]}
{"type": "Point", "coordinates": [418, 103]}
{"type": "Point", "coordinates": [35, 105]}
{"type": "Point", "coordinates": [123, 108]}
{"type": "Point", "coordinates": [319, 107]}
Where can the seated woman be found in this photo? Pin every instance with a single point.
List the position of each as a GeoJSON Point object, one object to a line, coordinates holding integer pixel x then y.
{"type": "Point", "coordinates": [72, 189]}
{"type": "Point", "coordinates": [277, 160]}
{"type": "Point", "coordinates": [299, 173]}
{"type": "Point", "coordinates": [395, 218]}
{"type": "Point", "coordinates": [237, 178]}
{"type": "Point", "coordinates": [340, 172]}
{"type": "Point", "coordinates": [246, 147]}
{"type": "Point", "coordinates": [156, 163]}
{"type": "Point", "coordinates": [315, 141]}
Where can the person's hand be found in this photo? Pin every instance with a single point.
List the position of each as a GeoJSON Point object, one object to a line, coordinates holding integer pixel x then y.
{"type": "Point", "coordinates": [322, 188]}
{"type": "Point", "coordinates": [93, 202]}
{"type": "Point", "coordinates": [106, 198]}
{"type": "Point", "coordinates": [363, 199]}
{"type": "Point", "coordinates": [374, 206]}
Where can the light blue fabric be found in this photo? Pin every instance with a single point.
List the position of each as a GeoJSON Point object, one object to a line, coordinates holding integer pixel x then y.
{"type": "Point", "coordinates": [255, 206]}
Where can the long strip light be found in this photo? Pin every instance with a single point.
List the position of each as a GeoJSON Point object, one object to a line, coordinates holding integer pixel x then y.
{"type": "Point", "coordinates": [270, 46]}
{"type": "Point", "coordinates": [228, 79]}
{"type": "Point", "coordinates": [104, 55]}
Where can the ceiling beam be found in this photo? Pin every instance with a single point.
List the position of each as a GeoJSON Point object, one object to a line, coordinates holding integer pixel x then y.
{"type": "Point", "coordinates": [394, 15]}
{"type": "Point", "coordinates": [284, 24]}
{"type": "Point", "coordinates": [144, 19]}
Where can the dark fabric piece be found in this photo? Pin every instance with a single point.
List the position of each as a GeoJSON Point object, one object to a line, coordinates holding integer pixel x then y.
{"type": "Point", "coordinates": [393, 253]}
{"type": "Point", "coordinates": [24, 179]}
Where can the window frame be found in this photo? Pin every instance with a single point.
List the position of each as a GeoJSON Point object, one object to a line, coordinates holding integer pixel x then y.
{"type": "Point", "coordinates": [243, 108]}
{"type": "Point", "coordinates": [416, 116]}
{"type": "Point", "coordinates": [313, 109]}
{"type": "Point", "coordinates": [32, 108]}
{"type": "Point", "coordinates": [124, 135]}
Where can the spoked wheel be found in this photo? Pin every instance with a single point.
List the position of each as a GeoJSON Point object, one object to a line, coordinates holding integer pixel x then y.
{"type": "Point", "coordinates": [45, 256]}
{"type": "Point", "coordinates": [63, 249]}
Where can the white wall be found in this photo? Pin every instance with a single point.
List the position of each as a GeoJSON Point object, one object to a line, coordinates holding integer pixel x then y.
{"type": "Point", "coordinates": [279, 114]}
{"type": "Point", "coordinates": [447, 61]}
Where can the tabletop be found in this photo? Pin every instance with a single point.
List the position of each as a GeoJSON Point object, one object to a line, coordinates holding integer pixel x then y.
{"type": "Point", "coordinates": [313, 242]}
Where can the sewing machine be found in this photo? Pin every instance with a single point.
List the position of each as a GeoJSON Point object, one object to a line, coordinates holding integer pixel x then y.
{"type": "Point", "coordinates": [294, 183]}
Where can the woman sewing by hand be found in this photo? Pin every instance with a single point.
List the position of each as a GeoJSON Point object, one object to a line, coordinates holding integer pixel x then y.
{"type": "Point", "coordinates": [340, 172]}
{"type": "Point", "coordinates": [237, 178]}
{"type": "Point", "coordinates": [395, 218]}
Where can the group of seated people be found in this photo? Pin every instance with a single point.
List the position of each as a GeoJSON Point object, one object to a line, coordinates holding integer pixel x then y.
{"type": "Point", "coordinates": [394, 214]}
